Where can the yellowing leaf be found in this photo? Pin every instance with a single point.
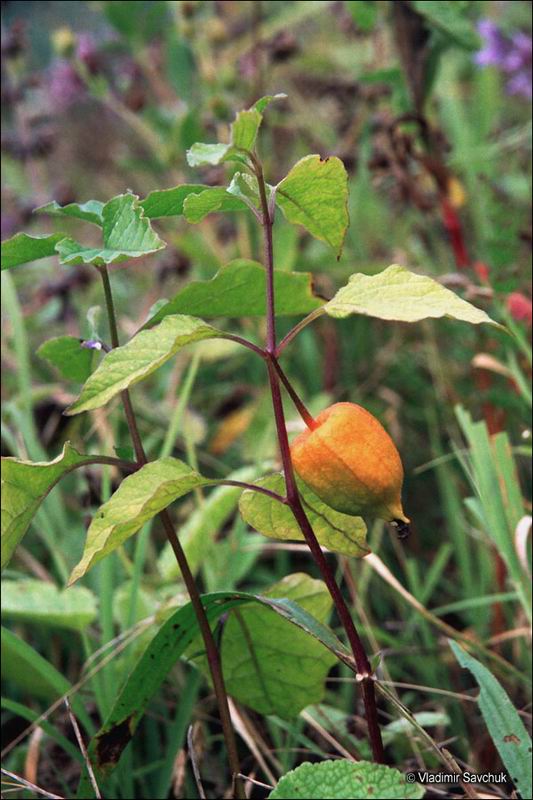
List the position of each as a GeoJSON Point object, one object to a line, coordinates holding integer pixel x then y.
{"type": "Point", "coordinates": [315, 194]}
{"type": "Point", "coordinates": [398, 294]}
{"type": "Point", "coordinates": [142, 355]}
{"type": "Point", "coordinates": [340, 533]}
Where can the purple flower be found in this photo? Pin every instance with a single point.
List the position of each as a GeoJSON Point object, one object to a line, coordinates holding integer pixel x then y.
{"type": "Point", "coordinates": [87, 52]}
{"type": "Point", "coordinates": [512, 55]}
{"type": "Point", "coordinates": [65, 86]}
{"type": "Point", "coordinates": [495, 46]}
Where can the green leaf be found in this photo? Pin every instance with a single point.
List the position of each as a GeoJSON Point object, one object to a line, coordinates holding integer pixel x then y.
{"type": "Point", "coordinates": [265, 101]}
{"type": "Point", "coordinates": [31, 600]}
{"type": "Point", "coordinates": [139, 498]}
{"type": "Point", "coordinates": [245, 187]}
{"type": "Point", "coordinates": [143, 354]}
{"type": "Point", "coordinates": [449, 18]}
{"type": "Point", "coordinates": [22, 248]}
{"type": "Point", "coordinates": [344, 780]}
{"type": "Point", "coordinates": [126, 234]}
{"type": "Point", "coordinates": [167, 646]}
{"type": "Point", "coordinates": [243, 135]}
{"type": "Point", "coordinates": [27, 668]}
{"type": "Point", "coordinates": [244, 129]}
{"type": "Point", "coordinates": [507, 730]}
{"type": "Point", "coordinates": [169, 202]}
{"type": "Point", "coordinates": [338, 532]}
{"type": "Point", "coordinates": [315, 194]}
{"type": "Point", "coordinates": [91, 211]}
{"type": "Point", "coordinates": [364, 14]}
{"type": "Point", "coordinates": [398, 294]}
{"type": "Point", "coordinates": [197, 206]}
{"type": "Point", "coordinates": [201, 154]}
{"type": "Point", "coordinates": [267, 664]}
{"type": "Point", "coordinates": [197, 534]}
{"type": "Point", "coordinates": [25, 484]}
{"type": "Point", "coordinates": [238, 290]}
{"type": "Point", "coordinates": [73, 361]}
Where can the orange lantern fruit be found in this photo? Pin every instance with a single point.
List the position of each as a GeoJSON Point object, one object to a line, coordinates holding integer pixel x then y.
{"type": "Point", "coordinates": [349, 460]}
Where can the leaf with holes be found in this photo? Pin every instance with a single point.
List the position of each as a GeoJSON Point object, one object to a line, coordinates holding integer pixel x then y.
{"type": "Point", "coordinates": [344, 780]}
{"type": "Point", "coordinates": [398, 294]}
{"type": "Point", "coordinates": [147, 351]}
{"type": "Point", "coordinates": [315, 194]}
{"type": "Point", "coordinates": [126, 234]}
{"type": "Point", "coordinates": [340, 533]}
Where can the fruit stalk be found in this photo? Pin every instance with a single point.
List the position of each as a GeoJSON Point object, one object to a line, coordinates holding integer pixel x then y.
{"type": "Point", "coordinates": [293, 498]}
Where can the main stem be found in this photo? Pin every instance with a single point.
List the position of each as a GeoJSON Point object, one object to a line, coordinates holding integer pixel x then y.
{"type": "Point", "coordinates": [212, 653]}
{"type": "Point", "coordinates": [293, 496]}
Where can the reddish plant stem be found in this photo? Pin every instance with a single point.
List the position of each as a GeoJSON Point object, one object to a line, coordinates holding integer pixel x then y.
{"type": "Point", "coordinates": [302, 410]}
{"type": "Point", "coordinates": [293, 497]}
{"type": "Point", "coordinates": [211, 649]}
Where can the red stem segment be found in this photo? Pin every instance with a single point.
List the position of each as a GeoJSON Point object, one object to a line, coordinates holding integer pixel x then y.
{"type": "Point", "coordinates": [293, 497]}
{"type": "Point", "coordinates": [212, 653]}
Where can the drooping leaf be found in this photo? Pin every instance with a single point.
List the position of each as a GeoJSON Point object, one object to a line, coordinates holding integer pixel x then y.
{"type": "Point", "coordinates": [344, 780]}
{"type": "Point", "coordinates": [338, 532]}
{"type": "Point", "coordinates": [143, 354]}
{"type": "Point", "coordinates": [507, 730]}
{"type": "Point", "coordinates": [29, 670]}
{"type": "Point", "coordinates": [267, 664]}
{"type": "Point", "coordinates": [315, 194]}
{"type": "Point", "coordinates": [126, 234]}
{"type": "Point", "coordinates": [25, 484]}
{"type": "Point", "coordinates": [398, 294]}
{"type": "Point", "coordinates": [166, 647]}
{"type": "Point", "coordinates": [449, 18]}
{"type": "Point", "coordinates": [197, 206]}
{"type": "Point", "coordinates": [197, 534]}
{"type": "Point", "coordinates": [139, 498]}
{"type": "Point", "coordinates": [32, 600]}
{"type": "Point", "coordinates": [169, 202]}
{"type": "Point", "coordinates": [91, 211]}
{"type": "Point", "coordinates": [22, 248]}
{"type": "Point", "coordinates": [238, 290]}
{"type": "Point", "coordinates": [66, 354]}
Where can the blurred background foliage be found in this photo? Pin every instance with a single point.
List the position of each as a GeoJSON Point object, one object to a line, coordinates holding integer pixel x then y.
{"type": "Point", "coordinates": [428, 106]}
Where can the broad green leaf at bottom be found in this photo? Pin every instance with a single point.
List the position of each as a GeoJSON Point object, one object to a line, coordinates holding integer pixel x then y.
{"type": "Point", "coordinates": [345, 780]}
